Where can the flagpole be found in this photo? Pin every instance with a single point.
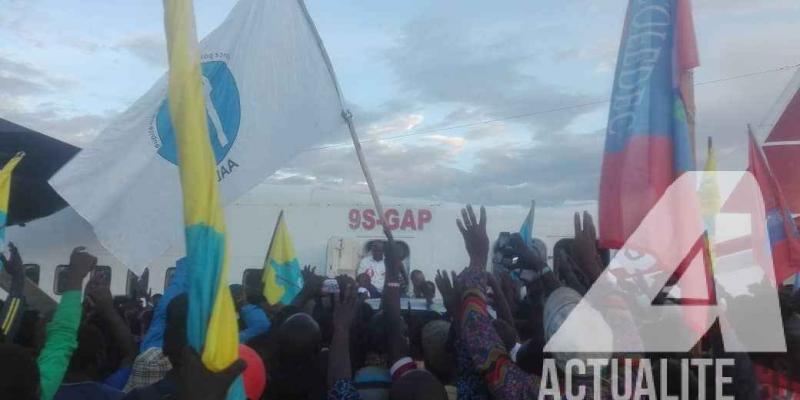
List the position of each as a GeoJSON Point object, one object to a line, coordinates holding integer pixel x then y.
{"type": "Point", "coordinates": [348, 117]}
{"type": "Point", "coordinates": [274, 231]}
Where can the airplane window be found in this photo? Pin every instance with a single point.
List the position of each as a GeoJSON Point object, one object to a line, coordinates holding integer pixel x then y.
{"type": "Point", "coordinates": [58, 283]}
{"type": "Point", "coordinates": [32, 272]}
{"type": "Point", "coordinates": [130, 280]}
{"type": "Point", "coordinates": [168, 277]}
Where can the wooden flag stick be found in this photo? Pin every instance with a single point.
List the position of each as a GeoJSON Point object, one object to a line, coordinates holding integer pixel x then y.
{"type": "Point", "coordinates": [348, 117]}
{"type": "Point", "coordinates": [274, 231]}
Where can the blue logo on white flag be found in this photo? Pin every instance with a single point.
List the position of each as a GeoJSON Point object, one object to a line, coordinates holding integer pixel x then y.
{"type": "Point", "coordinates": [223, 113]}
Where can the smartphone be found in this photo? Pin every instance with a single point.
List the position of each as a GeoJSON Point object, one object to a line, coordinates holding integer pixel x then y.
{"type": "Point", "coordinates": [330, 286]}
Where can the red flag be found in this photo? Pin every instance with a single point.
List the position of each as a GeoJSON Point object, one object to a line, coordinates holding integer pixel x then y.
{"type": "Point", "coordinates": [782, 232]}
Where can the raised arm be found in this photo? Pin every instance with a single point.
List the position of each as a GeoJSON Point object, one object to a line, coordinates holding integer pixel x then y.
{"type": "Point", "coordinates": [312, 283]}
{"type": "Point", "coordinates": [399, 353]}
{"type": "Point", "coordinates": [489, 356]}
{"type": "Point", "coordinates": [255, 320]}
{"type": "Point", "coordinates": [62, 331]}
{"type": "Point", "coordinates": [14, 306]}
{"type": "Point", "coordinates": [155, 333]}
{"type": "Point", "coordinates": [339, 367]}
{"type": "Point", "coordinates": [100, 297]}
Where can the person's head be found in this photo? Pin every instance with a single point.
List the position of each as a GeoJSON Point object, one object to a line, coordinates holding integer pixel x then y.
{"type": "Point", "coordinates": [436, 351]}
{"type": "Point", "coordinates": [417, 278]}
{"type": "Point", "coordinates": [19, 374]}
{"type": "Point", "coordinates": [90, 353]}
{"type": "Point", "coordinates": [175, 330]}
{"type": "Point", "coordinates": [363, 280]}
{"type": "Point", "coordinates": [417, 385]}
{"type": "Point", "coordinates": [376, 249]}
{"type": "Point", "coordinates": [299, 338]}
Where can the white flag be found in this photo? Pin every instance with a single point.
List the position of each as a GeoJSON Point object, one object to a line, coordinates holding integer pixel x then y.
{"type": "Point", "coordinates": [270, 93]}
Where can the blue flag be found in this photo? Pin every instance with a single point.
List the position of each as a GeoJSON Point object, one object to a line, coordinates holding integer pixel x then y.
{"type": "Point", "coordinates": [526, 230]}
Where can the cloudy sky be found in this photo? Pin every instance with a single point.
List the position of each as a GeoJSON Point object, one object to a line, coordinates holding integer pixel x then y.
{"type": "Point", "coordinates": [497, 103]}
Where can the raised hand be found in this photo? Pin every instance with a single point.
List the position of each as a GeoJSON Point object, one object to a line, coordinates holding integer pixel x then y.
{"type": "Point", "coordinates": [569, 273]}
{"type": "Point", "coordinates": [585, 246]}
{"type": "Point", "coordinates": [308, 272]}
{"type": "Point", "coordinates": [449, 294]}
{"type": "Point", "coordinates": [80, 264]}
{"type": "Point", "coordinates": [394, 266]}
{"type": "Point", "coordinates": [475, 239]}
{"type": "Point", "coordinates": [345, 310]}
{"type": "Point", "coordinates": [13, 263]}
{"type": "Point", "coordinates": [99, 295]}
{"type": "Point", "coordinates": [311, 281]}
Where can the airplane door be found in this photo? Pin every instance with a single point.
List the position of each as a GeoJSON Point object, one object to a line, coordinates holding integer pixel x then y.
{"type": "Point", "coordinates": [343, 256]}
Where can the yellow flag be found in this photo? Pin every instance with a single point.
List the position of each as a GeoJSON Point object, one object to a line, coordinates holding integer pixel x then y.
{"type": "Point", "coordinates": [212, 321]}
{"type": "Point", "coordinates": [5, 193]}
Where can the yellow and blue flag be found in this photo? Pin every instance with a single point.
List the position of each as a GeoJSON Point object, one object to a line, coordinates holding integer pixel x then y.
{"type": "Point", "coordinates": [212, 322]}
{"type": "Point", "coordinates": [5, 193]}
{"type": "Point", "coordinates": [710, 201]}
{"type": "Point", "coordinates": [282, 277]}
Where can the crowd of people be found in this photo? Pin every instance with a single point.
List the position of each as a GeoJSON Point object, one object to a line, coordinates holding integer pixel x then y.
{"type": "Point", "coordinates": [330, 343]}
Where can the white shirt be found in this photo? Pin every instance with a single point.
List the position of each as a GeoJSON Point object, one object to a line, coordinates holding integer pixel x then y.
{"type": "Point", "coordinates": [376, 270]}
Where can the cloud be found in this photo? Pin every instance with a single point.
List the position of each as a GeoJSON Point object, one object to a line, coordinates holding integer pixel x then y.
{"type": "Point", "coordinates": [551, 171]}
{"type": "Point", "coordinates": [78, 129]}
{"type": "Point", "coordinates": [150, 48]}
{"type": "Point", "coordinates": [482, 72]}
{"type": "Point", "coordinates": [397, 124]}
{"type": "Point", "coordinates": [13, 86]}
{"type": "Point", "coordinates": [23, 79]}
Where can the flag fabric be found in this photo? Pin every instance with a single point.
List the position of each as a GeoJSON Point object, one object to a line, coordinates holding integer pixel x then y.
{"type": "Point", "coordinates": [649, 139]}
{"type": "Point", "coordinates": [269, 92]}
{"type": "Point", "coordinates": [212, 325]}
{"type": "Point", "coordinates": [5, 194]}
{"type": "Point", "coordinates": [526, 230]}
{"type": "Point", "coordinates": [781, 230]}
{"type": "Point", "coordinates": [782, 145]}
{"type": "Point", "coordinates": [282, 277]}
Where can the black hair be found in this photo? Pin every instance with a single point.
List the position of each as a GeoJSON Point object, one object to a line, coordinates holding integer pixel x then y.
{"type": "Point", "coordinates": [19, 374]}
{"type": "Point", "coordinates": [417, 384]}
{"type": "Point", "coordinates": [90, 353]}
{"type": "Point", "coordinates": [299, 339]}
{"type": "Point", "coordinates": [175, 330]}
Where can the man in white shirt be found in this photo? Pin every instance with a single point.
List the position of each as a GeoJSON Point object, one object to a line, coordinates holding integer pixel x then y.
{"type": "Point", "coordinates": [373, 265]}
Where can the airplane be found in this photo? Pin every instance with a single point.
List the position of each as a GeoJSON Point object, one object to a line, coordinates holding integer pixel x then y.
{"type": "Point", "coordinates": [331, 229]}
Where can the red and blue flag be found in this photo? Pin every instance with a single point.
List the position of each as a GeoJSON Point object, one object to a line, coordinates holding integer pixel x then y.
{"type": "Point", "coordinates": [784, 238]}
{"type": "Point", "coordinates": [650, 138]}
